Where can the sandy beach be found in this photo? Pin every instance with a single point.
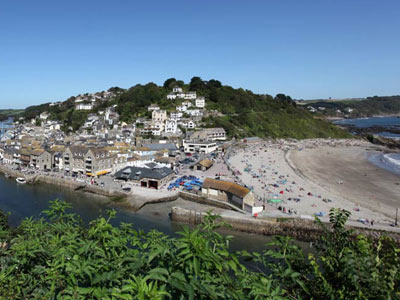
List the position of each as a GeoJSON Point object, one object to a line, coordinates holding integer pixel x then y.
{"type": "Point", "coordinates": [363, 182]}
{"type": "Point", "coordinates": [312, 176]}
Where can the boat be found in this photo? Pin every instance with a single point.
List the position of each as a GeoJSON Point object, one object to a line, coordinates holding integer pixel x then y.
{"type": "Point", "coordinates": [7, 175]}
{"type": "Point", "coordinates": [21, 180]}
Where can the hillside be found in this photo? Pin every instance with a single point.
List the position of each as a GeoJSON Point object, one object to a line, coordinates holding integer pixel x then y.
{"type": "Point", "coordinates": [371, 106]}
{"type": "Point", "coordinates": [240, 112]}
{"type": "Point", "coordinates": [6, 113]}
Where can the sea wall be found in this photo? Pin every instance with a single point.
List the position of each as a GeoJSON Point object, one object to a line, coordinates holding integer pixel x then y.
{"type": "Point", "coordinates": [207, 201]}
{"type": "Point", "coordinates": [65, 183]}
{"type": "Point", "coordinates": [299, 229]}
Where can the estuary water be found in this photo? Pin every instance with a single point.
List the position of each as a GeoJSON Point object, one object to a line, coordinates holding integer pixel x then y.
{"type": "Point", "coordinates": [23, 201]}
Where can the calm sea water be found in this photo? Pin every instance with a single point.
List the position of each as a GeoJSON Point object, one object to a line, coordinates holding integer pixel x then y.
{"type": "Point", "coordinates": [389, 162]}
{"type": "Point", "coordinates": [390, 122]}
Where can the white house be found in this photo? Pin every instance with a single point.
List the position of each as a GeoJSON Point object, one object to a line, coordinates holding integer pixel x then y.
{"type": "Point", "coordinates": [171, 126]}
{"type": "Point", "coordinates": [84, 107]}
{"type": "Point", "coordinates": [195, 112]}
{"type": "Point", "coordinates": [187, 123]}
{"type": "Point", "coordinates": [200, 102]}
{"type": "Point", "coordinates": [153, 107]}
{"type": "Point", "coordinates": [190, 96]}
{"type": "Point", "coordinates": [349, 110]}
{"type": "Point", "coordinates": [181, 108]}
{"type": "Point", "coordinates": [176, 115]}
{"type": "Point", "coordinates": [177, 89]}
{"type": "Point", "coordinates": [312, 109]}
{"type": "Point", "coordinates": [171, 96]}
{"type": "Point", "coordinates": [44, 115]}
{"type": "Point", "coordinates": [187, 103]}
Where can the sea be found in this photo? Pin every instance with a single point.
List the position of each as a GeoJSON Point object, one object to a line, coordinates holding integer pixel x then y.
{"type": "Point", "coordinates": [24, 200]}
{"type": "Point", "coordinates": [389, 161]}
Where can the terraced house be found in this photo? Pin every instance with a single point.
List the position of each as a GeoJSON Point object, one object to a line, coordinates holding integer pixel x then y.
{"type": "Point", "coordinates": [88, 161]}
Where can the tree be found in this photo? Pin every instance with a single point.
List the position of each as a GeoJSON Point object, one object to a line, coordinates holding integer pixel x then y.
{"type": "Point", "coordinates": [196, 84]}
{"type": "Point", "coordinates": [214, 83]}
{"type": "Point", "coordinates": [169, 83]}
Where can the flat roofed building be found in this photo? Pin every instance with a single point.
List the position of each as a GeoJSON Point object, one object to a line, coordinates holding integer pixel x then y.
{"type": "Point", "coordinates": [146, 177]}
{"type": "Point", "coordinates": [199, 146]}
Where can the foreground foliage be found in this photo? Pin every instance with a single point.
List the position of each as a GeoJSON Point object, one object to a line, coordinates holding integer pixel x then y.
{"type": "Point", "coordinates": [59, 258]}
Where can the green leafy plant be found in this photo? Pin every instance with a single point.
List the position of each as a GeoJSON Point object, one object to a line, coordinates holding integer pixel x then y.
{"type": "Point", "coordinates": [57, 257]}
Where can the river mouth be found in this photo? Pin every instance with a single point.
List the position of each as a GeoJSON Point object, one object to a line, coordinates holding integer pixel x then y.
{"type": "Point", "coordinates": [26, 200]}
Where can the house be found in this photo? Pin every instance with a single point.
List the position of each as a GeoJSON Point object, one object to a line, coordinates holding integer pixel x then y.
{"type": "Point", "coordinates": [210, 134]}
{"type": "Point", "coordinates": [44, 160]}
{"type": "Point", "coordinates": [203, 165]}
{"type": "Point", "coordinates": [187, 103]}
{"type": "Point", "coordinates": [195, 112]}
{"type": "Point", "coordinates": [84, 106]}
{"type": "Point", "coordinates": [44, 116]}
{"type": "Point", "coordinates": [349, 110]}
{"type": "Point", "coordinates": [312, 109]}
{"type": "Point", "coordinates": [159, 115]}
{"type": "Point", "coordinates": [190, 96]}
{"type": "Point", "coordinates": [230, 192]}
{"type": "Point", "coordinates": [199, 146]}
{"type": "Point", "coordinates": [171, 96]}
{"type": "Point", "coordinates": [200, 102]}
{"type": "Point", "coordinates": [153, 107]}
{"type": "Point", "coordinates": [177, 89]}
{"type": "Point", "coordinates": [9, 156]}
{"type": "Point", "coordinates": [25, 158]}
{"type": "Point", "coordinates": [181, 108]}
{"type": "Point", "coordinates": [146, 177]}
{"type": "Point", "coordinates": [175, 115]}
{"type": "Point", "coordinates": [187, 123]}
{"type": "Point", "coordinates": [88, 161]}
{"type": "Point", "coordinates": [171, 126]}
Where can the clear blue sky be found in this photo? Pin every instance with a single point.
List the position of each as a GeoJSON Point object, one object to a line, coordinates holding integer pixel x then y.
{"type": "Point", "coordinates": [50, 50]}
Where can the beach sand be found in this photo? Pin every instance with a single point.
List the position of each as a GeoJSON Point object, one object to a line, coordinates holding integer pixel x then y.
{"type": "Point", "coordinates": [310, 171]}
{"type": "Point", "coordinates": [363, 182]}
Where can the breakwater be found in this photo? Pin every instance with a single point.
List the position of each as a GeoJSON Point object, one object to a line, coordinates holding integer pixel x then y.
{"type": "Point", "coordinates": [299, 229]}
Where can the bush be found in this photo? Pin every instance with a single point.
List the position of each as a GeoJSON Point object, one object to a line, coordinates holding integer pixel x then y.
{"type": "Point", "coordinates": [58, 257]}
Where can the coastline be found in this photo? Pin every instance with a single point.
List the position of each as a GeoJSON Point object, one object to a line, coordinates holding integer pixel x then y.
{"type": "Point", "coordinates": [364, 185]}
{"type": "Point", "coordinates": [150, 201]}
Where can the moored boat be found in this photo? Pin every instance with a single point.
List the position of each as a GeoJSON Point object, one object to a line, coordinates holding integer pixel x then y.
{"type": "Point", "coordinates": [21, 180]}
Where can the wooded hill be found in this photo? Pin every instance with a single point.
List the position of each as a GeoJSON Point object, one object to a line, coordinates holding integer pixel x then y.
{"type": "Point", "coordinates": [241, 112]}
{"type": "Point", "coordinates": [371, 106]}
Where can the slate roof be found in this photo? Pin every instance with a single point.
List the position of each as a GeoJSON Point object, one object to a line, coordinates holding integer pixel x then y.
{"type": "Point", "coordinates": [157, 147]}
{"type": "Point", "coordinates": [136, 173]}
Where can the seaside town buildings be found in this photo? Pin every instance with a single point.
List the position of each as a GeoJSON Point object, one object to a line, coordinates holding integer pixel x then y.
{"type": "Point", "coordinates": [149, 152]}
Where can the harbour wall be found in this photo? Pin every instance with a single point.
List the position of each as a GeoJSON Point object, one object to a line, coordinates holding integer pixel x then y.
{"type": "Point", "coordinates": [299, 229]}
